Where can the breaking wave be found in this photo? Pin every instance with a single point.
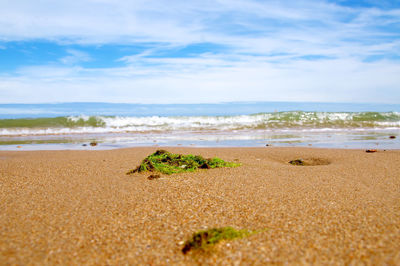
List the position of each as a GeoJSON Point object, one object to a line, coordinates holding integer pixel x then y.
{"type": "Point", "coordinates": [261, 121]}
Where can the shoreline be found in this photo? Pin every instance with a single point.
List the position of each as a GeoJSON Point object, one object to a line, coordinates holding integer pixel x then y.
{"type": "Point", "coordinates": [80, 207]}
{"type": "Point", "coordinates": [22, 148]}
{"type": "Point", "coordinates": [98, 148]}
{"type": "Point", "coordinates": [359, 138]}
{"type": "Point", "coordinates": [327, 138]}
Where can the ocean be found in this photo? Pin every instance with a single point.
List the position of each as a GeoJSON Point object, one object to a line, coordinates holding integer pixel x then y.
{"type": "Point", "coordinates": [235, 124]}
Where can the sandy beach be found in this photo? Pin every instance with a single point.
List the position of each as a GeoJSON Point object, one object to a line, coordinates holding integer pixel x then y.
{"type": "Point", "coordinates": [80, 207]}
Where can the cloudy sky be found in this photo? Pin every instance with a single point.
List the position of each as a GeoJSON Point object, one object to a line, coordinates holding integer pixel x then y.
{"type": "Point", "coordinates": [199, 51]}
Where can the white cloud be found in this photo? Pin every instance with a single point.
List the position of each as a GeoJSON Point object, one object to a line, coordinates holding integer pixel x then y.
{"type": "Point", "coordinates": [179, 21]}
{"type": "Point", "coordinates": [267, 43]}
{"type": "Point", "coordinates": [195, 81]}
{"type": "Point", "coordinates": [74, 57]}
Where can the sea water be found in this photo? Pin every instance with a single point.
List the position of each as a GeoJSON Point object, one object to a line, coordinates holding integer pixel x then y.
{"type": "Point", "coordinates": [239, 124]}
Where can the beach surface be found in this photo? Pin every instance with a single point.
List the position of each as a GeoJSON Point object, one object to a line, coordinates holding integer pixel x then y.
{"type": "Point", "coordinates": [80, 207]}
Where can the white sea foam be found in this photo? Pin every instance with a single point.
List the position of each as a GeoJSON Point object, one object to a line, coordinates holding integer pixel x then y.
{"type": "Point", "coordinates": [313, 121]}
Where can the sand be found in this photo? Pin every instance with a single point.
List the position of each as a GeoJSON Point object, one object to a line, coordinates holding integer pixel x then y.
{"type": "Point", "coordinates": [79, 207]}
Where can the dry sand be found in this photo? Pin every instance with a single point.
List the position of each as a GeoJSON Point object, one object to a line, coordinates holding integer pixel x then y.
{"type": "Point", "coordinates": [79, 207]}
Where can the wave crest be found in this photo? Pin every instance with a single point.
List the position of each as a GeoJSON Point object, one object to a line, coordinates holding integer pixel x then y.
{"type": "Point", "coordinates": [260, 121]}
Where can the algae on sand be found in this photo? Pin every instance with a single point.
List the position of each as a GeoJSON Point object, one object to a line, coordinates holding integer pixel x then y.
{"type": "Point", "coordinates": [206, 239]}
{"type": "Point", "coordinates": [169, 163]}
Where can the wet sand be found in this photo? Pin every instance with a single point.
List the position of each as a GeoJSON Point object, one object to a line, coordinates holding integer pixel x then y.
{"type": "Point", "coordinates": [79, 207]}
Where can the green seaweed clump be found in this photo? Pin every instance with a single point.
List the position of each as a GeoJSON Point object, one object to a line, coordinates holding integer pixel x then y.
{"type": "Point", "coordinates": [206, 239]}
{"type": "Point", "coordinates": [170, 163]}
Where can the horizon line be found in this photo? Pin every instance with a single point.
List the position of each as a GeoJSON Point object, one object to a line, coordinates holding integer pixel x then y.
{"type": "Point", "coordinates": [200, 103]}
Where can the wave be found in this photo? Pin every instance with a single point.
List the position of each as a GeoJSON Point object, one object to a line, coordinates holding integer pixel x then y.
{"type": "Point", "coordinates": [275, 120]}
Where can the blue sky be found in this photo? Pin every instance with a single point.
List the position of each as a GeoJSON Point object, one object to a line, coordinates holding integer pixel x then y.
{"type": "Point", "coordinates": [199, 51]}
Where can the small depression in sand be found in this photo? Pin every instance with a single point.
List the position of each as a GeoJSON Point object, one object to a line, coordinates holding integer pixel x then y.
{"type": "Point", "coordinates": [309, 162]}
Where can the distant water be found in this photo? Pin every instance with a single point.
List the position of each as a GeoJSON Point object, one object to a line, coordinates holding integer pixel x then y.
{"type": "Point", "coordinates": [143, 110]}
{"type": "Point", "coordinates": [69, 125]}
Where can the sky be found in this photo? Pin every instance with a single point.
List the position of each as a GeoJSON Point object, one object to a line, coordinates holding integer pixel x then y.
{"type": "Point", "coordinates": [199, 51]}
